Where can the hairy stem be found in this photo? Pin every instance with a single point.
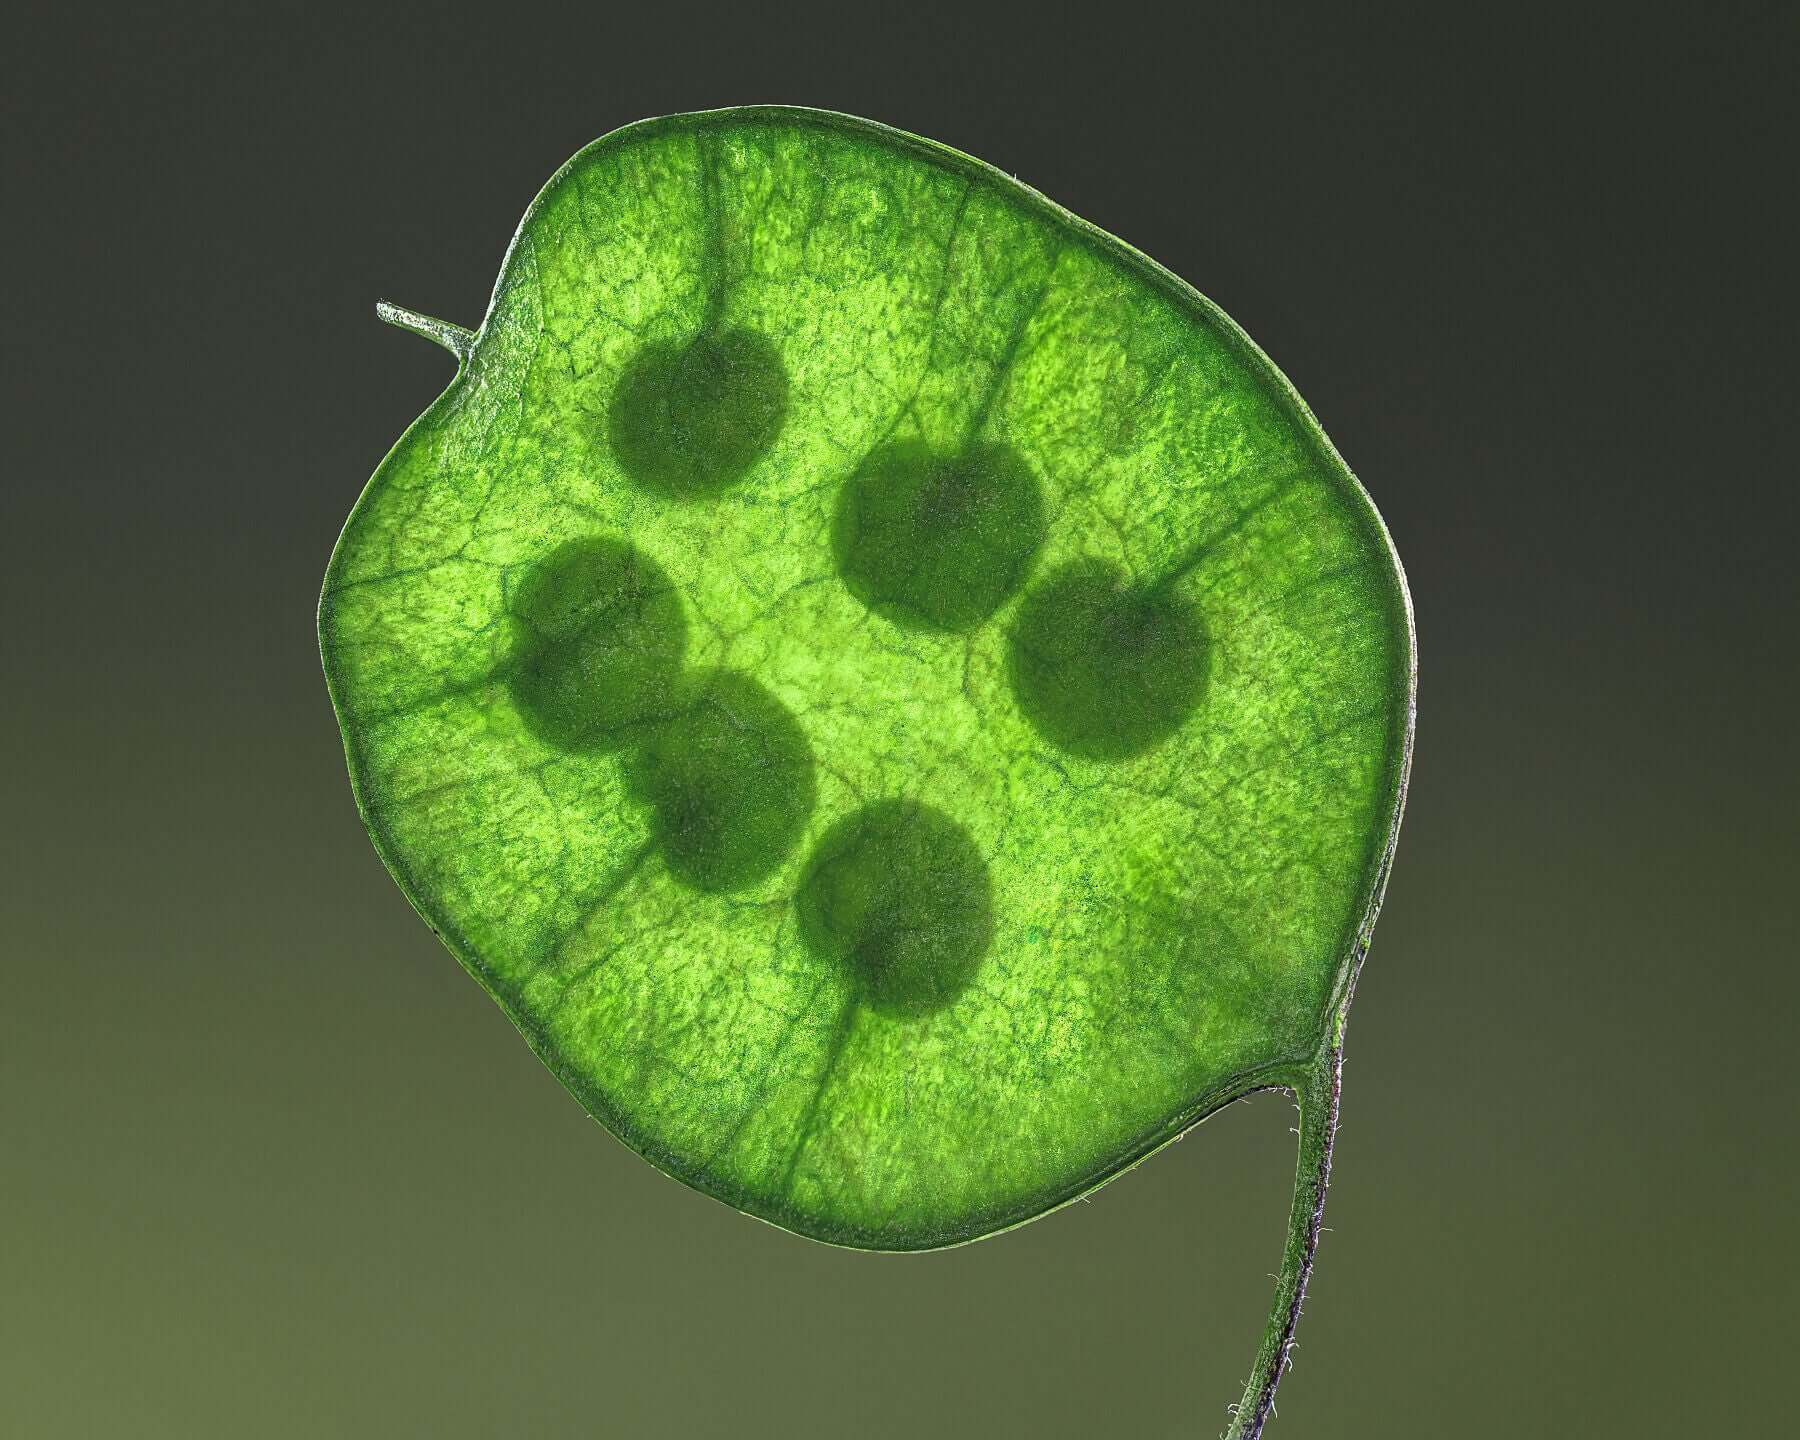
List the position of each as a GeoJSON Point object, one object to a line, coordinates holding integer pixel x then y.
{"type": "Point", "coordinates": [1317, 1096]}
{"type": "Point", "coordinates": [458, 341]}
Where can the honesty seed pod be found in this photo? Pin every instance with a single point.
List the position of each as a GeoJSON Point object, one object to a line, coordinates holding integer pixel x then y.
{"type": "Point", "coordinates": [889, 689]}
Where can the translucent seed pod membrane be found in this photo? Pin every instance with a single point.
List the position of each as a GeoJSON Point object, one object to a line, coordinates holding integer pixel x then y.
{"type": "Point", "coordinates": [888, 688]}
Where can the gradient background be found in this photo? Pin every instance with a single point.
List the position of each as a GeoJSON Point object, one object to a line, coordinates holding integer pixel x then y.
{"type": "Point", "coordinates": [271, 1165]}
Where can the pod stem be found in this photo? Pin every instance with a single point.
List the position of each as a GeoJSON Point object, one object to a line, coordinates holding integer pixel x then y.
{"type": "Point", "coordinates": [458, 341]}
{"type": "Point", "coordinates": [1317, 1096]}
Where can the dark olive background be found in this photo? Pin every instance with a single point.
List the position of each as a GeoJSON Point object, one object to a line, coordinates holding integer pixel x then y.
{"type": "Point", "coordinates": [271, 1165]}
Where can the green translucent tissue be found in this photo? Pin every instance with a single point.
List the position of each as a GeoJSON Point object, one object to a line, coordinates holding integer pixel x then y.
{"type": "Point", "coordinates": [889, 690]}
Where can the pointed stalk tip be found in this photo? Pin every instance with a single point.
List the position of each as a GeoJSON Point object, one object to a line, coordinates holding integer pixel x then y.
{"type": "Point", "coordinates": [458, 341]}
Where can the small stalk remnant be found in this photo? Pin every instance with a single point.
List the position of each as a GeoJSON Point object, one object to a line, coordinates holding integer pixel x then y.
{"type": "Point", "coordinates": [458, 341]}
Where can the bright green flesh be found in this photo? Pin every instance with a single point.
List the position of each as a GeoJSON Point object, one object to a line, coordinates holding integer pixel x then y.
{"type": "Point", "coordinates": [1174, 912]}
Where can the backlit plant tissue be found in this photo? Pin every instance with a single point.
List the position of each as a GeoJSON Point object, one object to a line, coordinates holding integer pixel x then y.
{"type": "Point", "coordinates": [891, 691]}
